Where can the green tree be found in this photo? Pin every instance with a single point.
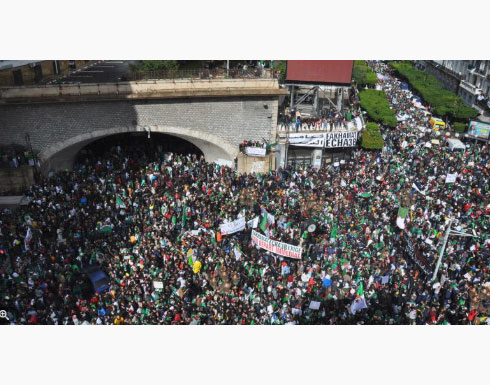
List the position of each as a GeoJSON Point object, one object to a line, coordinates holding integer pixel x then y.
{"type": "Point", "coordinates": [157, 65]}
{"type": "Point", "coordinates": [444, 103]}
{"type": "Point", "coordinates": [377, 107]}
{"type": "Point", "coordinates": [363, 75]}
{"type": "Point", "coordinates": [371, 137]}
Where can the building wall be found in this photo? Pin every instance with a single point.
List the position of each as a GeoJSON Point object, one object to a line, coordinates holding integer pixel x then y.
{"type": "Point", "coordinates": [16, 180]}
{"type": "Point", "coordinates": [474, 76]}
{"type": "Point", "coordinates": [232, 120]}
{"type": "Point", "coordinates": [449, 81]}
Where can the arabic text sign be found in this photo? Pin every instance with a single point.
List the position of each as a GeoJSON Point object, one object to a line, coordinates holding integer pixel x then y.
{"type": "Point", "coordinates": [307, 140]}
{"type": "Point", "coordinates": [232, 227]}
{"type": "Point", "coordinates": [276, 247]}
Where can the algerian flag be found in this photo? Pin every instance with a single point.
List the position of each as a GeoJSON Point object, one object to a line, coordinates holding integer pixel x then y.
{"type": "Point", "coordinates": [400, 219]}
{"type": "Point", "coordinates": [119, 202]}
{"type": "Point", "coordinates": [360, 302]}
{"type": "Point", "coordinates": [184, 216]}
{"type": "Point", "coordinates": [264, 224]}
{"type": "Point", "coordinates": [333, 234]}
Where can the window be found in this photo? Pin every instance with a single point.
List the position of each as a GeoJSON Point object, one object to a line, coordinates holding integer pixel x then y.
{"type": "Point", "coordinates": [38, 73]}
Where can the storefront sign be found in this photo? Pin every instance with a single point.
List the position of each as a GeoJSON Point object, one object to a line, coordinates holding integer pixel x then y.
{"type": "Point", "coordinates": [276, 247]}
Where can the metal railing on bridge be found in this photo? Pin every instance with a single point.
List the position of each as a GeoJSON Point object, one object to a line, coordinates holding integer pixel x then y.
{"type": "Point", "coordinates": [253, 73]}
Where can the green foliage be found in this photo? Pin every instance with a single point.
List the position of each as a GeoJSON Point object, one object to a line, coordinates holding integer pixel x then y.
{"type": "Point", "coordinates": [377, 107]}
{"type": "Point", "coordinates": [443, 102]}
{"type": "Point", "coordinates": [157, 65]}
{"type": "Point", "coordinates": [459, 127]}
{"type": "Point", "coordinates": [371, 137]}
{"type": "Point", "coordinates": [363, 75]}
{"type": "Point", "coordinates": [281, 67]}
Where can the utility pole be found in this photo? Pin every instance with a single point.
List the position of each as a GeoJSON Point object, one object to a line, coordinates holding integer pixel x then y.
{"type": "Point", "coordinates": [449, 232]}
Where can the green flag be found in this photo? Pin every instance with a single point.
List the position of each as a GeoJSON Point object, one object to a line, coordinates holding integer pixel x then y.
{"type": "Point", "coordinates": [333, 234]}
{"type": "Point", "coordinates": [264, 223]}
{"type": "Point", "coordinates": [184, 216]}
{"type": "Point", "coordinates": [360, 291]}
{"type": "Point", "coordinates": [119, 202]}
{"type": "Point", "coordinates": [143, 182]}
{"type": "Point", "coordinates": [105, 229]}
{"type": "Point", "coordinates": [403, 212]}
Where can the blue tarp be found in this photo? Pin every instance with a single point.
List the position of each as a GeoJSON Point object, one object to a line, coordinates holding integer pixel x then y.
{"type": "Point", "coordinates": [404, 86]}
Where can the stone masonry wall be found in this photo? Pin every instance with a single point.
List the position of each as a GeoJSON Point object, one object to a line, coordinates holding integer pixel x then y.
{"type": "Point", "coordinates": [232, 119]}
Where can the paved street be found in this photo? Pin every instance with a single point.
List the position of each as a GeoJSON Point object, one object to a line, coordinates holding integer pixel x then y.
{"type": "Point", "coordinates": [103, 71]}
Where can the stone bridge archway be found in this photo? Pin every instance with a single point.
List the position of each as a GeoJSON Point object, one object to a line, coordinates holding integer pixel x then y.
{"type": "Point", "coordinates": [61, 155]}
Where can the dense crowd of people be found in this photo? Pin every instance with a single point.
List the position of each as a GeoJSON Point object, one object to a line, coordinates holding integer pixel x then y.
{"type": "Point", "coordinates": [151, 220]}
{"type": "Point", "coordinates": [329, 120]}
{"type": "Point", "coordinates": [15, 157]}
{"type": "Point", "coordinates": [251, 143]}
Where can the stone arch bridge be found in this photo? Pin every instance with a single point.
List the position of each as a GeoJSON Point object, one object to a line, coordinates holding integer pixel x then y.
{"type": "Point", "coordinates": [214, 115]}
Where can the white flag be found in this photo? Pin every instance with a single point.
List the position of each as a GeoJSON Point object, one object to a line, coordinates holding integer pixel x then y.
{"type": "Point", "coordinates": [400, 222]}
{"type": "Point", "coordinates": [416, 188]}
{"type": "Point", "coordinates": [253, 223]}
{"type": "Point", "coordinates": [451, 178]}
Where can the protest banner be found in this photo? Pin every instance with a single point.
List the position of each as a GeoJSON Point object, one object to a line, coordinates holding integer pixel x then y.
{"type": "Point", "coordinates": [451, 178]}
{"type": "Point", "coordinates": [341, 139]}
{"type": "Point", "coordinates": [314, 305]}
{"type": "Point", "coordinates": [232, 227]}
{"type": "Point", "coordinates": [276, 247]}
{"type": "Point", "coordinates": [413, 253]}
{"type": "Point", "coordinates": [255, 151]}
